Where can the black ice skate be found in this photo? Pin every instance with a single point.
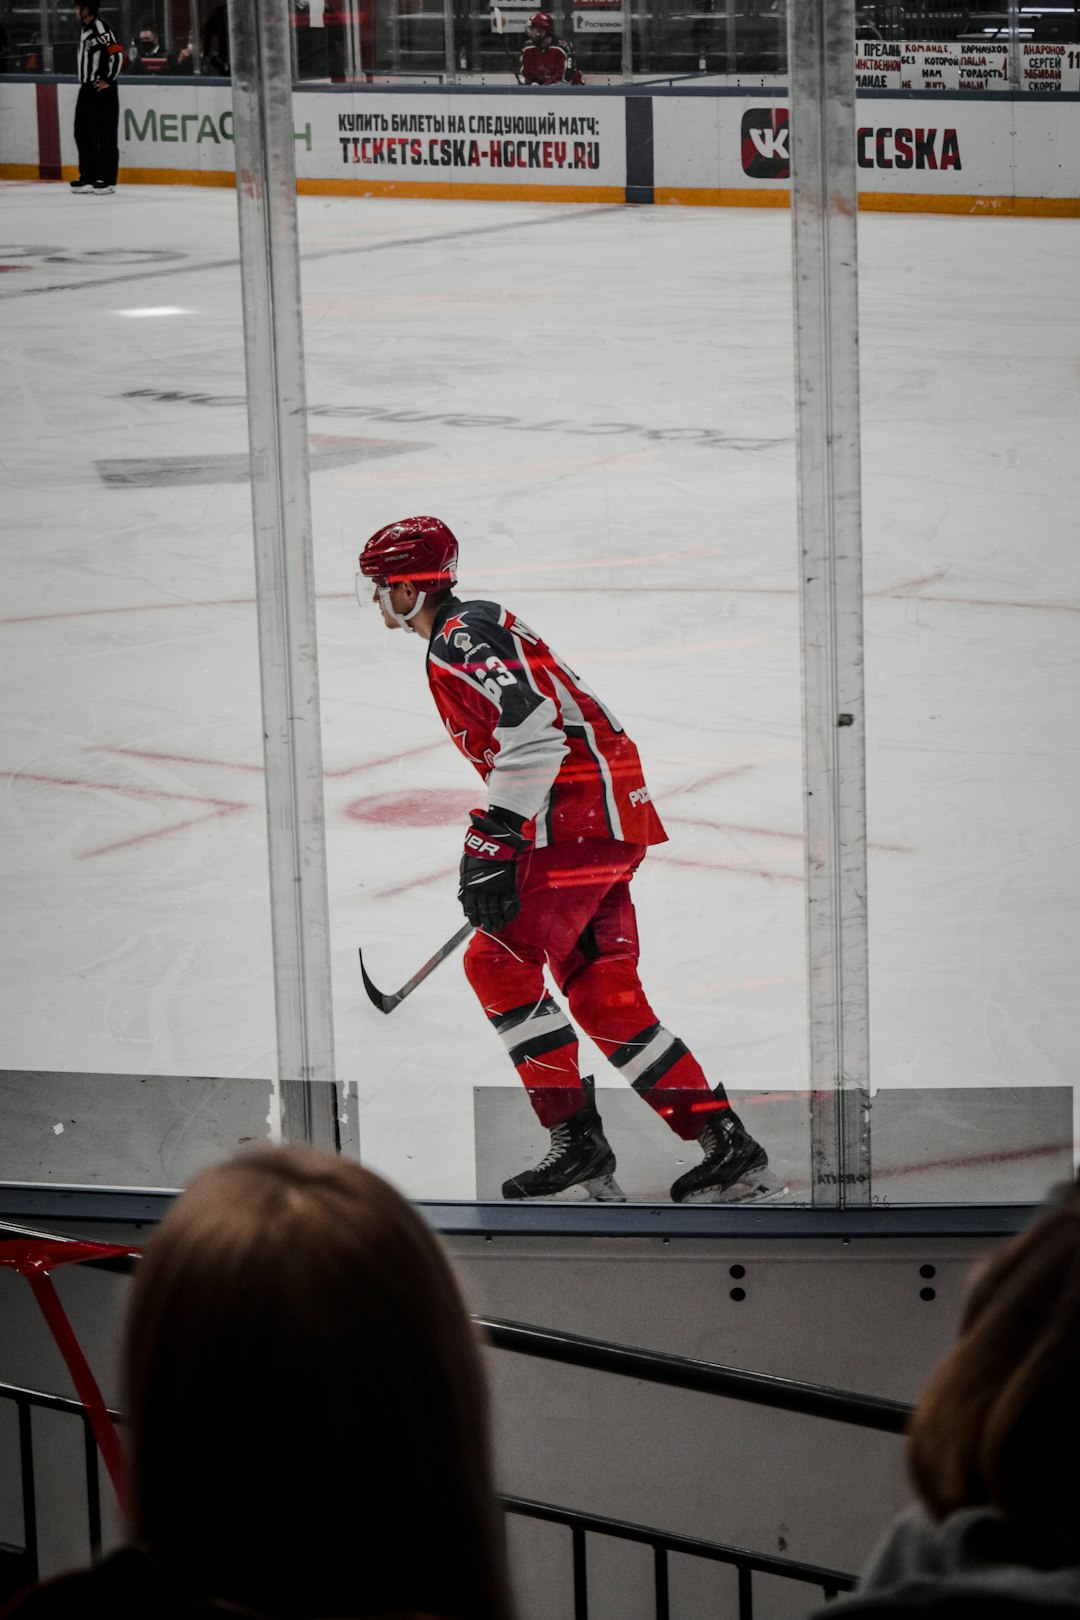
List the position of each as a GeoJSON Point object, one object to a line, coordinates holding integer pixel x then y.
{"type": "Point", "coordinates": [579, 1156]}
{"type": "Point", "coordinates": [734, 1168]}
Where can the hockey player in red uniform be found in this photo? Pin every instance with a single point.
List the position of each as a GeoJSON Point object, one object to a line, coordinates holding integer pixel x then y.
{"type": "Point", "coordinates": [545, 59]}
{"type": "Point", "coordinates": [545, 876]}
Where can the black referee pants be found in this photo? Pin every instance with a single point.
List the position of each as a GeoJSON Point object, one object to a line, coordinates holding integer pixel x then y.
{"type": "Point", "coordinates": [97, 124]}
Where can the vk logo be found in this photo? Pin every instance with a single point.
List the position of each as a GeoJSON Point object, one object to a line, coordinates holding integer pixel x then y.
{"type": "Point", "coordinates": [771, 143]}
{"type": "Point", "coordinates": [765, 152]}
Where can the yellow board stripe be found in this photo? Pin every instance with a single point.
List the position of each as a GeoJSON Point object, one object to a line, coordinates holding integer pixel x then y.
{"type": "Point", "coordinates": [723, 196]}
{"type": "Point", "coordinates": [874, 202]}
{"type": "Point", "coordinates": [899, 202]}
{"type": "Point", "coordinates": [878, 202]}
{"type": "Point", "coordinates": [176, 177]}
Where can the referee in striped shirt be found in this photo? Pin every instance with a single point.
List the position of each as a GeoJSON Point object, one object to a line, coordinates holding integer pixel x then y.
{"type": "Point", "coordinates": [97, 111]}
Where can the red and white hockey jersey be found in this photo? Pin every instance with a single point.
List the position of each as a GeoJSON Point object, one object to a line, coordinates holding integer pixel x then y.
{"type": "Point", "coordinates": [555, 65]}
{"type": "Point", "coordinates": [543, 742]}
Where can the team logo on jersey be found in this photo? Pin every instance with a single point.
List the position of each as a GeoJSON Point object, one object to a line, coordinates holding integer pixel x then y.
{"type": "Point", "coordinates": [454, 622]}
{"type": "Point", "coordinates": [463, 640]}
{"type": "Point", "coordinates": [461, 740]}
{"type": "Point", "coordinates": [639, 795]}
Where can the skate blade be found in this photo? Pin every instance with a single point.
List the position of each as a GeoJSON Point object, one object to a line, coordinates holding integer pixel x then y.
{"type": "Point", "coordinates": [605, 1190]}
{"type": "Point", "coordinates": [759, 1187]}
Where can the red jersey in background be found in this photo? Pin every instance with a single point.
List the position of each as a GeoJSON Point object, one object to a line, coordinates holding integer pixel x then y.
{"type": "Point", "coordinates": [555, 65]}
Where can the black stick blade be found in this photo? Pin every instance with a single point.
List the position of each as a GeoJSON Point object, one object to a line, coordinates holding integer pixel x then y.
{"type": "Point", "coordinates": [385, 1004]}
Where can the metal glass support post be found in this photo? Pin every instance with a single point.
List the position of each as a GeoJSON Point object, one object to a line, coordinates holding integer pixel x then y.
{"type": "Point", "coordinates": [196, 35]}
{"type": "Point", "coordinates": [821, 38]}
{"type": "Point", "coordinates": [448, 42]}
{"type": "Point", "coordinates": [353, 46]}
{"type": "Point", "coordinates": [259, 34]}
{"type": "Point", "coordinates": [627, 64]}
{"type": "Point", "coordinates": [294, 50]}
{"type": "Point", "coordinates": [1015, 74]}
{"type": "Point", "coordinates": [45, 35]}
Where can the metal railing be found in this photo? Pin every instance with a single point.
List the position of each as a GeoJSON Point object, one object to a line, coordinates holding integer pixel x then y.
{"type": "Point", "coordinates": [25, 1401]}
{"type": "Point", "coordinates": [701, 1377]}
{"type": "Point", "coordinates": [675, 1372]}
{"type": "Point", "coordinates": [746, 1563]}
{"type": "Point", "coordinates": [704, 1377]}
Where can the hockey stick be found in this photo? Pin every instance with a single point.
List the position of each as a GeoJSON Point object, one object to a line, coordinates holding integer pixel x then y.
{"type": "Point", "coordinates": [498, 22]}
{"type": "Point", "coordinates": [387, 1003]}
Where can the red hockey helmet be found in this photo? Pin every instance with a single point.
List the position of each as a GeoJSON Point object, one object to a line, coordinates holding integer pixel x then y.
{"type": "Point", "coordinates": [543, 22]}
{"type": "Point", "coordinates": [419, 549]}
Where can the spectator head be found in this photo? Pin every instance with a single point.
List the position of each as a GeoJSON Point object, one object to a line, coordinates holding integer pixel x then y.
{"type": "Point", "coordinates": [308, 1427]}
{"type": "Point", "coordinates": [147, 35]}
{"type": "Point", "coordinates": [1002, 1401]}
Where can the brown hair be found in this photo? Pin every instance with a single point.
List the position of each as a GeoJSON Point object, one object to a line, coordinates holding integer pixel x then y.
{"type": "Point", "coordinates": [1008, 1395]}
{"type": "Point", "coordinates": [308, 1410]}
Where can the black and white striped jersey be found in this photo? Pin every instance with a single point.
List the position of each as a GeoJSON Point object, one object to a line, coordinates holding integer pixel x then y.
{"type": "Point", "coordinates": [101, 56]}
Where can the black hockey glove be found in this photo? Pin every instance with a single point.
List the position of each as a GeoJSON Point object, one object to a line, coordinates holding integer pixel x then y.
{"type": "Point", "coordinates": [488, 887]}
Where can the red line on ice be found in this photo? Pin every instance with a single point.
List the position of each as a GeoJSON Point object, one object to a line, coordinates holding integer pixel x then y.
{"type": "Point", "coordinates": [135, 607]}
{"type": "Point", "coordinates": [415, 883]}
{"type": "Point", "coordinates": [714, 776]}
{"type": "Point", "coordinates": [176, 759]}
{"type": "Point", "coordinates": [124, 788]}
{"type": "Point", "coordinates": [906, 585]}
{"type": "Point", "coordinates": [386, 759]}
{"type": "Point", "coordinates": [962, 1162]}
{"type": "Point", "coordinates": [905, 593]}
{"type": "Point", "coordinates": [162, 832]}
{"type": "Point", "coordinates": [729, 866]}
{"type": "Point", "coordinates": [218, 807]}
{"type": "Point", "coordinates": [1005, 1156]}
{"type": "Point", "coordinates": [985, 602]}
{"type": "Point", "coordinates": [771, 832]}
{"type": "Point", "coordinates": [236, 765]}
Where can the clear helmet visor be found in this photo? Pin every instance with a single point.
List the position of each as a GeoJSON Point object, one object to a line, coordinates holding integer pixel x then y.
{"type": "Point", "coordinates": [364, 587]}
{"type": "Point", "coordinates": [364, 584]}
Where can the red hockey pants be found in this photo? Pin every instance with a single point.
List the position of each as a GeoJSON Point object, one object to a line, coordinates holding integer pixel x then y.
{"type": "Point", "coordinates": [577, 917]}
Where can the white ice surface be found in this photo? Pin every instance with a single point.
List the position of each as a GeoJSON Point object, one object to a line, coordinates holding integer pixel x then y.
{"type": "Point", "coordinates": [659, 562]}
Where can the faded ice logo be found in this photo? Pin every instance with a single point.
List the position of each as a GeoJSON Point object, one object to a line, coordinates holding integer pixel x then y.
{"type": "Point", "coordinates": [765, 153]}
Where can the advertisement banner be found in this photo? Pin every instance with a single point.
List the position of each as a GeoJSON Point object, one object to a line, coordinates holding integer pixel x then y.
{"type": "Point", "coordinates": [465, 140]}
{"type": "Point", "coordinates": [599, 22]}
{"type": "Point", "coordinates": [945, 151]}
{"type": "Point", "coordinates": [969, 154]}
{"type": "Point", "coordinates": [161, 129]}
